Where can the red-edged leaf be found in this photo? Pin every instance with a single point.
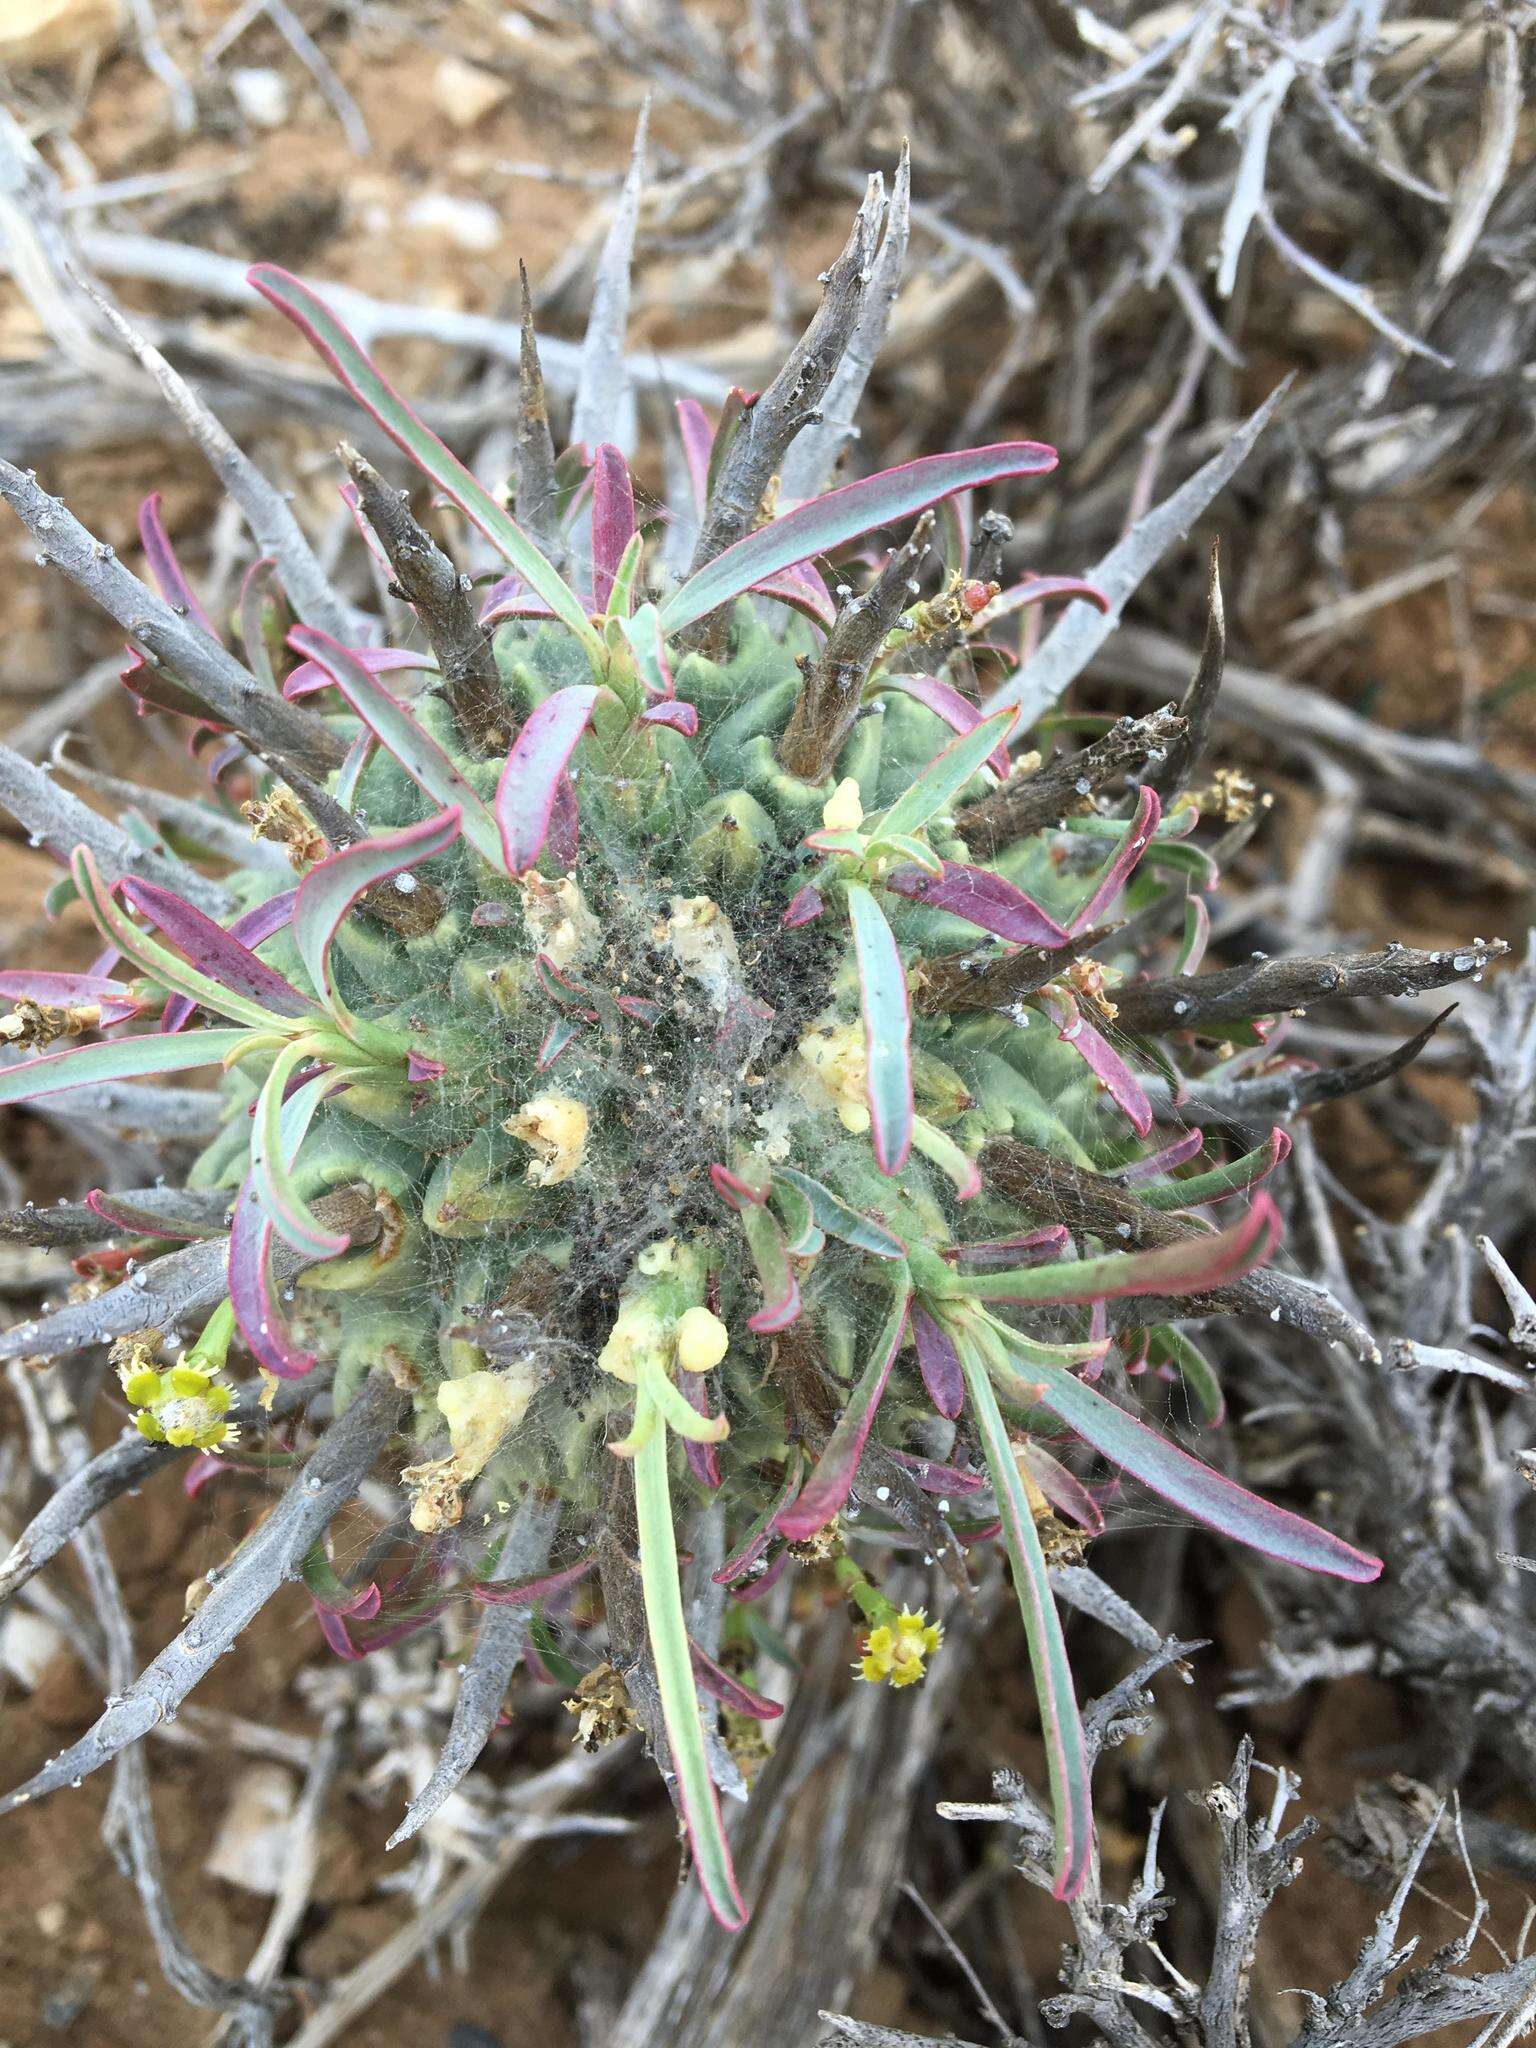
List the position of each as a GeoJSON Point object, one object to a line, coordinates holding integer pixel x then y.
{"type": "Point", "coordinates": [802, 590]}
{"type": "Point", "coordinates": [530, 780]}
{"type": "Point", "coordinates": [613, 520]}
{"type": "Point", "coordinates": [946, 702]}
{"type": "Point", "coordinates": [703, 1461]}
{"type": "Point", "coordinates": [805, 906]}
{"type": "Point", "coordinates": [760, 1535]}
{"type": "Point", "coordinates": [781, 1290]}
{"type": "Point", "coordinates": [309, 676]}
{"type": "Point", "coordinates": [1156, 1164]}
{"type": "Point", "coordinates": [730, 1692]}
{"type": "Point", "coordinates": [827, 1488]}
{"type": "Point", "coordinates": [253, 1294]}
{"type": "Point", "coordinates": [887, 1030]}
{"type": "Point", "coordinates": [215, 951]}
{"type": "Point", "coordinates": [170, 580]}
{"type": "Point", "coordinates": [1085, 1038]}
{"type": "Point", "coordinates": [1066, 1753]}
{"type": "Point", "coordinates": [981, 898]}
{"type": "Point", "coordinates": [935, 1478]}
{"type": "Point", "coordinates": [531, 1592]}
{"type": "Point", "coordinates": [672, 711]}
{"type": "Point", "coordinates": [1247, 1172]}
{"type": "Point", "coordinates": [1044, 590]}
{"type": "Point", "coordinates": [117, 1059]}
{"type": "Point", "coordinates": [1194, 1487]}
{"type": "Point", "coordinates": [696, 435]}
{"type": "Point", "coordinates": [1192, 1266]}
{"type": "Point", "coordinates": [1032, 1248]}
{"type": "Point", "coordinates": [1063, 1489]}
{"type": "Point", "coordinates": [351, 364]}
{"type": "Point", "coordinates": [249, 931]}
{"type": "Point", "coordinates": [331, 888]}
{"type": "Point", "coordinates": [1120, 866]}
{"type": "Point", "coordinates": [826, 523]}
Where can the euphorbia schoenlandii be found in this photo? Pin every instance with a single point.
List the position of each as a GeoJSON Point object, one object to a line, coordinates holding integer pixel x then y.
{"type": "Point", "coordinates": [605, 1119]}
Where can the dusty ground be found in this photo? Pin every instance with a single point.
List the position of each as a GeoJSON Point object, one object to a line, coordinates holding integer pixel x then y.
{"type": "Point", "coordinates": [457, 105]}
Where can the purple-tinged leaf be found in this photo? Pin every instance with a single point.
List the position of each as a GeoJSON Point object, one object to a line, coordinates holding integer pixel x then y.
{"type": "Point", "coordinates": [532, 1592]}
{"type": "Point", "coordinates": [887, 1030]}
{"type": "Point", "coordinates": [760, 1587]}
{"type": "Point", "coordinates": [563, 989]}
{"type": "Point", "coordinates": [117, 1059]}
{"type": "Point", "coordinates": [253, 1293]}
{"type": "Point", "coordinates": [406, 738]}
{"type": "Point", "coordinates": [215, 951]}
{"type": "Point", "coordinates": [828, 1486]}
{"type": "Point", "coordinates": [1086, 1039]}
{"type": "Point", "coordinates": [939, 1363]}
{"type": "Point", "coordinates": [331, 888]}
{"type": "Point", "coordinates": [761, 1533]}
{"type": "Point", "coordinates": [613, 520]}
{"type": "Point", "coordinates": [770, 1255]}
{"type": "Point", "coordinates": [420, 1069]}
{"type": "Point", "coordinates": [1062, 1488]}
{"type": "Point", "coordinates": [672, 711]}
{"type": "Point", "coordinates": [70, 991]}
{"type": "Point", "coordinates": [1043, 590]}
{"type": "Point", "coordinates": [943, 778]}
{"type": "Point", "coordinates": [1247, 1172]}
{"type": "Point", "coordinates": [160, 1212]}
{"type": "Point", "coordinates": [254, 609]}
{"type": "Point", "coordinates": [833, 1215]}
{"type": "Point", "coordinates": [340, 350]}
{"type": "Point", "coordinates": [729, 1691]}
{"type": "Point", "coordinates": [935, 1478]}
{"type": "Point", "coordinates": [696, 435]}
{"type": "Point", "coordinates": [1117, 870]}
{"type": "Point", "coordinates": [946, 702]}
{"type": "Point", "coordinates": [249, 930]}
{"type": "Point", "coordinates": [1182, 1149]}
{"type": "Point", "coordinates": [823, 524]}
{"type": "Point", "coordinates": [952, 1159]}
{"type": "Point", "coordinates": [203, 1468]}
{"type": "Point", "coordinates": [309, 676]}
{"type": "Point", "coordinates": [805, 906]}
{"type": "Point", "coordinates": [1177, 1477]}
{"type": "Point", "coordinates": [981, 898]}
{"type": "Point", "coordinates": [530, 780]}
{"type": "Point", "coordinates": [167, 571]}
{"type": "Point", "coordinates": [171, 970]}
{"type": "Point", "coordinates": [736, 1191]}
{"type": "Point", "coordinates": [802, 590]}
{"type": "Point", "coordinates": [1192, 1266]}
{"type": "Point", "coordinates": [703, 1461]}
{"type": "Point", "coordinates": [1066, 1753]}
{"type": "Point", "coordinates": [1034, 1247]}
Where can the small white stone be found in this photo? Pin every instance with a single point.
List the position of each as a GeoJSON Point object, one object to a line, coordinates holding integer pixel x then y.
{"type": "Point", "coordinates": [470, 224]}
{"type": "Point", "coordinates": [261, 95]}
{"type": "Point", "coordinates": [405, 885]}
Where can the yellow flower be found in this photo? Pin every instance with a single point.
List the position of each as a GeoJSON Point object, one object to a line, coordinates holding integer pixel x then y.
{"type": "Point", "coordinates": [898, 1651]}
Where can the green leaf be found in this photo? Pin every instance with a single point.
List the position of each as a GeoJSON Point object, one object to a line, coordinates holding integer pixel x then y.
{"type": "Point", "coordinates": [668, 1634]}
{"type": "Point", "coordinates": [118, 1059]}
{"type": "Point", "coordinates": [887, 1030]}
{"type": "Point", "coordinates": [837, 1219]}
{"type": "Point", "coordinates": [276, 1134]}
{"type": "Point", "coordinates": [351, 364]}
{"type": "Point", "coordinates": [1066, 1754]}
{"type": "Point", "coordinates": [944, 777]}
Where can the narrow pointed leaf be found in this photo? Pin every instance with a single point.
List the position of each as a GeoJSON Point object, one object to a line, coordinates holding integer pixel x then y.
{"type": "Point", "coordinates": [215, 951]}
{"type": "Point", "coordinates": [1193, 1266]}
{"type": "Point", "coordinates": [70, 991]}
{"type": "Point", "coordinates": [941, 1150]}
{"type": "Point", "coordinates": [731, 1692]}
{"type": "Point", "coordinates": [170, 579]}
{"type": "Point", "coordinates": [1246, 1172]}
{"type": "Point", "coordinates": [837, 1219]}
{"type": "Point", "coordinates": [1117, 870]}
{"type": "Point", "coordinates": [1120, 1084]}
{"type": "Point", "coordinates": [674, 1678]}
{"type": "Point", "coordinates": [530, 781]}
{"type": "Point", "coordinates": [781, 1290]}
{"type": "Point", "coordinates": [406, 738]}
{"type": "Point", "coordinates": [944, 777]}
{"type": "Point", "coordinates": [946, 702]}
{"type": "Point", "coordinates": [1061, 1487]}
{"type": "Point", "coordinates": [887, 1030]}
{"type": "Point", "coordinates": [1066, 1753]}
{"type": "Point", "coordinates": [1177, 1153]}
{"type": "Point", "coordinates": [277, 1132]}
{"type": "Point", "coordinates": [760, 1535]}
{"type": "Point", "coordinates": [249, 930]}
{"type": "Point", "coordinates": [253, 1291]}
{"type": "Point", "coordinates": [120, 1059]}
{"type": "Point", "coordinates": [829, 522]}
{"type": "Point", "coordinates": [330, 889]}
{"type": "Point", "coordinates": [351, 365]}
{"type": "Point", "coordinates": [1194, 1487]}
{"type": "Point", "coordinates": [828, 1486]}
{"type": "Point", "coordinates": [982, 898]}
{"type": "Point", "coordinates": [939, 1363]}
{"type": "Point", "coordinates": [613, 520]}
{"type": "Point", "coordinates": [309, 676]}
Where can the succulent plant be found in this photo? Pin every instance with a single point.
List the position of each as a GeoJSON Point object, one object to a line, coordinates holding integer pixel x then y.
{"type": "Point", "coordinates": [676, 1054]}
